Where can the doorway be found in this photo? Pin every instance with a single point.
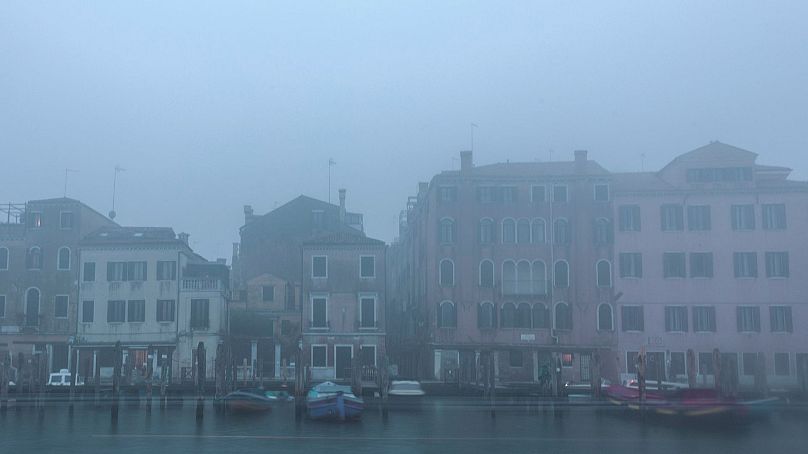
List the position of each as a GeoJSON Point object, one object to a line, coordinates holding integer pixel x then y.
{"type": "Point", "coordinates": [342, 361]}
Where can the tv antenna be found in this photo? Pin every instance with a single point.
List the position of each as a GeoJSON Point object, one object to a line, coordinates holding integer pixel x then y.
{"type": "Point", "coordinates": [118, 169]}
{"type": "Point", "coordinates": [67, 171]}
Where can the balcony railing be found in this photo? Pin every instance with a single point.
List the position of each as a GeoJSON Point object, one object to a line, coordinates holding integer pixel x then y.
{"type": "Point", "coordinates": [535, 287]}
{"type": "Point", "coordinates": [204, 285]}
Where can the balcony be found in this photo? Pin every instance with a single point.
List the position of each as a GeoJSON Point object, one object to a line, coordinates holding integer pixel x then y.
{"type": "Point", "coordinates": [202, 285]}
{"type": "Point", "coordinates": [535, 287]}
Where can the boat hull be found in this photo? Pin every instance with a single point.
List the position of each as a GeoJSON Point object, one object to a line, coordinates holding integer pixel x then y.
{"type": "Point", "coordinates": [335, 407]}
{"type": "Point", "coordinates": [241, 401]}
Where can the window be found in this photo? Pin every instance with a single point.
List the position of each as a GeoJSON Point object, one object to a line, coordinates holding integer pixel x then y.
{"type": "Point", "coordinates": [563, 316]}
{"type": "Point", "coordinates": [3, 258]}
{"type": "Point", "coordinates": [319, 354]}
{"type": "Point", "coordinates": [561, 232]}
{"type": "Point", "coordinates": [488, 194]}
{"type": "Point", "coordinates": [523, 231]}
{"type": "Point", "coordinates": [559, 193]}
{"type": "Point", "coordinates": [268, 293]}
{"type": "Point", "coordinates": [116, 311]}
{"type": "Point", "coordinates": [126, 271]}
{"type": "Point", "coordinates": [34, 219]}
{"type": "Point", "coordinates": [678, 364]}
{"type": "Point", "coordinates": [136, 311]}
{"type": "Point", "coordinates": [33, 260]}
{"type": "Point", "coordinates": [704, 319]}
{"type": "Point", "coordinates": [509, 280]}
{"type": "Point", "coordinates": [671, 218]}
{"type": "Point", "coordinates": [367, 266]}
{"type": "Point", "coordinates": [777, 264]}
{"type": "Point", "coordinates": [705, 363]}
{"type": "Point", "coordinates": [631, 362]}
{"type": "Point", "coordinates": [165, 310]}
{"type": "Point", "coordinates": [539, 273]}
{"type": "Point", "coordinates": [486, 316]}
{"type": "Point", "coordinates": [673, 264]}
{"type": "Point", "coordinates": [319, 318]}
{"type": "Point", "coordinates": [701, 264]}
{"type": "Point", "coordinates": [749, 363]}
{"type": "Point", "coordinates": [748, 319]}
{"type": "Point", "coordinates": [676, 319]}
{"type": "Point", "coordinates": [367, 312]}
{"type": "Point", "coordinates": [508, 231]}
{"type": "Point", "coordinates": [446, 231]}
{"type": "Point", "coordinates": [745, 264]}
{"type": "Point", "coordinates": [561, 274]}
{"type": "Point", "coordinates": [486, 231]}
{"type": "Point", "coordinates": [166, 271]}
{"type": "Point", "coordinates": [508, 318]}
{"type": "Point", "coordinates": [447, 194]}
{"type": "Point", "coordinates": [633, 318]}
{"type": "Point", "coordinates": [566, 359]}
{"type": "Point", "coordinates": [89, 272]}
{"type": "Point", "coordinates": [60, 303]}
{"type": "Point", "coordinates": [537, 231]}
{"type": "Point", "coordinates": [2, 306]}
{"type": "Point", "coordinates": [318, 219]}
{"type": "Point", "coordinates": [515, 358]}
{"type": "Point", "coordinates": [367, 355]}
{"type": "Point", "coordinates": [446, 273]}
{"type": "Point", "coordinates": [630, 264]}
{"type": "Point", "coordinates": [605, 322]}
{"type": "Point", "coordinates": [781, 364]}
{"type": "Point", "coordinates": [719, 174]}
{"type": "Point", "coordinates": [524, 316]}
{"type": "Point", "coordinates": [87, 311]}
{"type": "Point", "coordinates": [698, 217]}
{"type": "Point", "coordinates": [629, 218]}
{"type": "Point", "coordinates": [63, 259]}
{"type": "Point", "coordinates": [447, 316]}
{"type": "Point", "coordinates": [319, 266]}
{"type": "Point", "coordinates": [200, 313]}
{"type": "Point", "coordinates": [604, 273]}
{"type": "Point", "coordinates": [509, 194]}
{"type": "Point", "coordinates": [601, 192]}
{"type": "Point", "coordinates": [774, 216]}
{"type": "Point", "coordinates": [541, 316]}
{"type": "Point", "coordinates": [32, 297]}
{"type": "Point", "coordinates": [66, 220]}
{"type": "Point", "coordinates": [538, 193]}
{"type": "Point", "coordinates": [780, 319]}
{"type": "Point", "coordinates": [603, 232]}
{"type": "Point", "coordinates": [523, 277]}
{"type": "Point", "coordinates": [487, 274]}
{"type": "Point", "coordinates": [743, 217]}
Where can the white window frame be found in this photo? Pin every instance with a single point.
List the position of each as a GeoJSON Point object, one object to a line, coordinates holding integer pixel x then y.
{"type": "Point", "coordinates": [665, 318]}
{"type": "Point", "coordinates": [29, 252]}
{"type": "Point", "coordinates": [335, 356]}
{"type": "Point", "coordinates": [611, 312]}
{"type": "Point", "coordinates": [569, 283]}
{"type": "Point", "coordinates": [597, 274]}
{"type": "Point", "coordinates": [326, 267]}
{"type": "Point", "coordinates": [312, 297]}
{"type": "Point", "coordinates": [440, 273]}
{"type": "Point", "coordinates": [4, 299]}
{"type": "Point", "coordinates": [59, 257]}
{"type": "Point", "coordinates": [311, 352]}
{"type": "Point", "coordinates": [493, 227]}
{"type": "Point", "coordinates": [40, 220]}
{"type": "Point", "coordinates": [544, 230]}
{"type": "Point", "coordinates": [263, 292]}
{"type": "Point", "coordinates": [502, 231]}
{"type": "Point", "coordinates": [375, 298]}
{"type": "Point", "coordinates": [678, 253]}
{"type": "Point", "coordinates": [67, 315]}
{"type": "Point", "coordinates": [493, 315]}
{"type": "Point", "coordinates": [452, 231]}
{"type": "Point", "coordinates": [360, 266]}
{"type": "Point", "coordinates": [480, 273]}
{"type": "Point", "coordinates": [595, 192]}
{"type": "Point", "coordinates": [375, 352]}
{"type": "Point", "coordinates": [81, 312]}
{"type": "Point", "coordinates": [555, 316]}
{"type": "Point", "coordinates": [760, 321]}
{"type": "Point", "coordinates": [642, 312]}
{"type": "Point", "coordinates": [566, 193]}
{"type": "Point", "coordinates": [6, 266]}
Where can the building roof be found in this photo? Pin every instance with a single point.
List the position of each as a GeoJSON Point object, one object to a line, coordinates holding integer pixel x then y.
{"type": "Point", "coordinates": [344, 238]}
{"type": "Point", "coordinates": [118, 235]}
{"type": "Point", "coordinates": [532, 169]}
{"type": "Point", "coordinates": [207, 270]}
{"type": "Point", "coordinates": [639, 181]}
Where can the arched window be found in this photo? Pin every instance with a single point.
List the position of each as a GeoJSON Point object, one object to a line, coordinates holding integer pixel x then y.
{"type": "Point", "coordinates": [539, 278]}
{"type": "Point", "coordinates": [33, 259]}
{"type": "Point", "coordinates": [446, 233]}
{"type": "Point", "coordinates": [487, 274]}
{"type": "Point", "coordinates": [604, 273]}
{"type": "Point", "coordinates": [537, 229]}
{"type": "Point", "coordinates": [486, 315]}
{"type": "Point", "coordinates": [605, 320]}
{"type": "Point", "coordinates": [541, 317]}
{"type": "Point", "coordinates": [523, 316]}
{"type": "Point", "coordinates": [508, 277]}
{"type": "Point", "coordinates": [447, 278]}
{"type": "Point", "coordinates": [563, 316]}
{"type": "Point", "coordinates": [486, 231]}
{"type": "Point", "coordinates": [603, 232]}
{"type": "Point", "coordinates": [561, 232]}
{"type": "Point", "coordinates": [4, 258]}
{"type": "Point", "coordinates": [508, 318]}
{"type": "Point", "coordinates": [32, 297]}
{"type": "Point", "coordinates": [561, 274]}
{"type": "Point", "coordinates": [523, 277]}
{"type": "Point", "coordinates": [508, 231]}
{"type": "Point", "coordinates": [523, 231]}
{"type": "Point", "coordinates": [63, 260]}
{"type": "Point", "coordinates": [447, 315]}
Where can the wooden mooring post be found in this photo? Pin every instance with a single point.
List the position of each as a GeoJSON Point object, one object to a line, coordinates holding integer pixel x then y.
{"type": "Point", "coordinates": [116, 380]}
{"type": "Point", "coordinates": [5, 375]}
{"type": "Point", "coordinates": [200, 380]}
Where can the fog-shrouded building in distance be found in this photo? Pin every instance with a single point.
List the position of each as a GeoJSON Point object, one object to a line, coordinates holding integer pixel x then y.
{"type": "Point", "coordinates": [710, 253]}
{"type": "Point", "coordinates": [511, 261]}
{"type": "Point", "coordinates": [39, 269]}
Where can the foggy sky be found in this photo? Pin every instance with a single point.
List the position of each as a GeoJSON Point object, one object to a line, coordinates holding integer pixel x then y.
{"type": "Point", "coordinates": [212, 106]}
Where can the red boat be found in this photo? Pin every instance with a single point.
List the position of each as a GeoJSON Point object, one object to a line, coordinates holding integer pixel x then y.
{"type": "Point", "coordinates": [691, 402]}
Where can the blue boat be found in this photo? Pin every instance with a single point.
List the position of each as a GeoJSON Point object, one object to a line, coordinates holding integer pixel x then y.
{"type": "Point", "coordinates": [331, 401]}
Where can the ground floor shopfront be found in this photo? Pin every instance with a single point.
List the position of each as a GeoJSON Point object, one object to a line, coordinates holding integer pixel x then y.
{"type": "Point", "coordinates": [140, 362]}
{"type": "Point", "coordinates": [343, 356]}
{"type": "Point", "coordinates": [23, 350]}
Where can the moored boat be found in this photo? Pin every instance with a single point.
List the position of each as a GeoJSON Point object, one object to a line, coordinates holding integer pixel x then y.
{"type": "Point", "coordinates": [248, 400]}
{"type": "Point", "coordinates": [331, 401]}
{"type": "Point", "coordinates": [405, 393]}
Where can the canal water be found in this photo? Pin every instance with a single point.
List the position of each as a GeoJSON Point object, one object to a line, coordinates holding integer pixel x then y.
{"type": "Point", "coordinates": [440, 425]}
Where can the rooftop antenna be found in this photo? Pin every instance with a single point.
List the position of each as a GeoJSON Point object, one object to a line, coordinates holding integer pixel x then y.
{"type": "Point", "coordinates": [112, 213]}
{"type": "Point", "coordinates": [551, 154]}
{"type": "Point", "coordinates": [471, 127]}
{"type": "Point", "coordinates": [331, 163]}
{"type": "Point", "coordinates": [66, 172]}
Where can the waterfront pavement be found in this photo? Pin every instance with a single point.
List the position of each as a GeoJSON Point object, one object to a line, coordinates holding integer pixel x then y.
{"type": "Point", "coordinates": [439, 425]}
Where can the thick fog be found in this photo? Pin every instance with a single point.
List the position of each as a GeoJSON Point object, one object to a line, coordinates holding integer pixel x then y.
{"type": "Point", "coordinates": [210, 106]}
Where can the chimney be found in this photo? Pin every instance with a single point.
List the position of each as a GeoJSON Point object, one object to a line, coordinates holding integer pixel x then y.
{"type": "Point", "coordinates": [182, 236]}
{"type": "Point", "coordinates": [466, 162]}
{"type": "Point", "coordinates": [342, 206]}
{"type": "Point", "coordinates": [423, 186]}
{"type": "Point", "coordinates": [248, 213]}
{"type": "Point", "coordinates": [580, 161]}
{"type": "Point", "coordinates": [235, 250]}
